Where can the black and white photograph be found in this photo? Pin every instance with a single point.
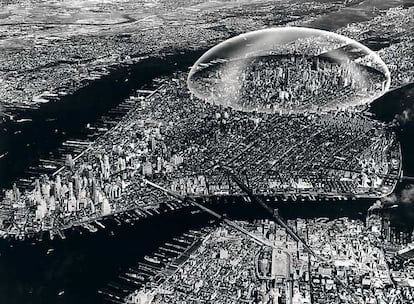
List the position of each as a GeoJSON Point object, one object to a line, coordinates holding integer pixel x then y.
{"type": "Point", "coordinates": [207, 151]}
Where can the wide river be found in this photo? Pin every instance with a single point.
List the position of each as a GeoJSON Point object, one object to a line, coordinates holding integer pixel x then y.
{"type": "Point", "coordinates": [76, 268]}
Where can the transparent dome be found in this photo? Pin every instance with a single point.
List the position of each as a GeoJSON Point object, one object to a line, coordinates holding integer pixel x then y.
{"type": "Point", "coordinates": [290, 69]}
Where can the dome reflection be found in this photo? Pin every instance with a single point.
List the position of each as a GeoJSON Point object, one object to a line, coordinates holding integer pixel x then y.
{"type": "Point", "coordinates": [289, 69]}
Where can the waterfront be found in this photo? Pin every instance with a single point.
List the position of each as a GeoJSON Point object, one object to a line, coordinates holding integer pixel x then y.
{"type": "Point", "coordinates": [46, 128]}
{"type": "Point", "coordinates": [41, 131]}
{"type": "Point", "coordinates": [74, 270]}
{"type": "Point", "coordinates": [77, 267]}
{"type": "Point", "coordinates": [99, 258]}
{"type": "Point", "coordinates": [83, 264]}
{"type": "Point", "coordinates": [387, 109]}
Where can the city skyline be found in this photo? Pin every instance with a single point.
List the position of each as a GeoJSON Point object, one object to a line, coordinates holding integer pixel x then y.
{"type": "Point", "coordinates": [226, 152]}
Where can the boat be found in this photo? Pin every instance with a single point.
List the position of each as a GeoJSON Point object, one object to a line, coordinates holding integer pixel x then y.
{"type": "Point", "coordinates": [154, 260]}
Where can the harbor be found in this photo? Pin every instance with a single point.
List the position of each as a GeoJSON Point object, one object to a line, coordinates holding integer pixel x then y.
{"type": "Point", "coordinates": [153, 270]}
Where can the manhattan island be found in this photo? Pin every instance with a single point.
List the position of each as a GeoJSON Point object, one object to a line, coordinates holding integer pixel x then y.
{"type": "Point", "coordinates": [286, 135]}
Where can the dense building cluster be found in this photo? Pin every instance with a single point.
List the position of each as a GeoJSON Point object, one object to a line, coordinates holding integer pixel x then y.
{"type": "Point", "coordinates": [396, 239]}
{"type": "Point", "coordinates": [39, 56]}
{"type": "Point", "coordinates": [215, 281]}
{"type": "Point", "coordinates": [177, 141]}
{"type": "Point", "coordinates": [357, 269]}
{"type": "Point", "coordinates": [184, 150]}
{"type": "Point", "coordinates": [283, 83]}
{"type": "Point", "coordinates": [308, 151]}
{"type": "Point", "coordinates": [398, 56]}
{"type": "Point", "coordinates": [391, 34]}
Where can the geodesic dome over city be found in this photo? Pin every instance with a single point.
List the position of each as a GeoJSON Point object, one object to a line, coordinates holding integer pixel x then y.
{"type": "Point", "coordinates": [289, 69]}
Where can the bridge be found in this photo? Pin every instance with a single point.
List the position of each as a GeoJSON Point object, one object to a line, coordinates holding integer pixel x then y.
{"type": "Point", "coordinates": [259, 240]}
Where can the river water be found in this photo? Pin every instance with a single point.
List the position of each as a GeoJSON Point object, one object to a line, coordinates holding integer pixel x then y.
{"type": "Point", "coordinates": [77, 267]}
{"type": "Point", "coordinates": [84, 263]}
{"type": "Point", "coordinates": [54, 122]}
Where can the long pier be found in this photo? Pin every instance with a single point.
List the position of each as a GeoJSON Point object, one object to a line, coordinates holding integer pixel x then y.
{"type": "Point", "coordinates": [145, 210]}
{"type": "Point", "coordinates": [109, 131]}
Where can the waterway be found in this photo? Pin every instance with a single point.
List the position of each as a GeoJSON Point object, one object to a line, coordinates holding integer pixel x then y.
{"type": "Point", "coordinates": [84, 263]}
{"type": "Point", "coordinates": [72, 271]}
{"type": "Point", "coordinates": [355, 12]}
{"type": "Point", "coordinates": [43, 130]}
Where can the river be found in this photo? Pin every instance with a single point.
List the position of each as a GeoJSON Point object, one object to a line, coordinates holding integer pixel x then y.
{"type": "Point", "coordinates": [48, 126]}
{"type": "Point", "coordinates": [84, 263]}
{"type": "Point", "coordinates": [80, 265]}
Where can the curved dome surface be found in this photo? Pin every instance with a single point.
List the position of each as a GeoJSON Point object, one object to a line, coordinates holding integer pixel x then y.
{"type": "Point", "coordinates": [289, 69]}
